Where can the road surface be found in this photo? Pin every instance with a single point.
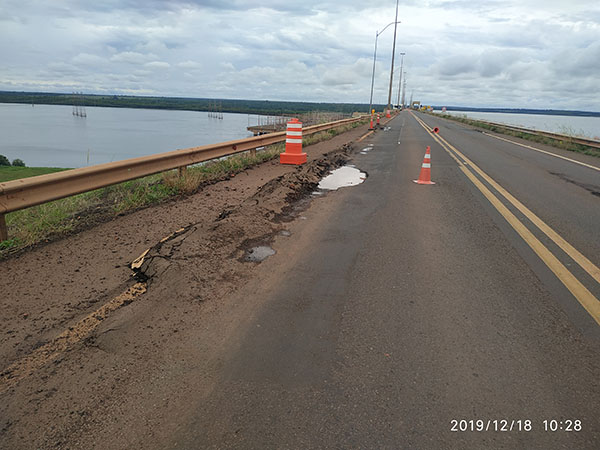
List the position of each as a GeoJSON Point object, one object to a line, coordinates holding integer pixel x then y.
{"type": "Point", "coordinates": [393, 315]}
{"type": "Point", "coordinates": [415, 306]}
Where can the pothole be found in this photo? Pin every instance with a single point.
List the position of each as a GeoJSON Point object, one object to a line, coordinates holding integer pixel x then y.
{"type": "Point", "coordinates": [260, 253]}
{"type": "Point", "coordinates": [342, 177]}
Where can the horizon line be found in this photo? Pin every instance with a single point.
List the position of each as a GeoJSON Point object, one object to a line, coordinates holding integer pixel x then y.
{"type": "Point", "coordinates": [452, 107]}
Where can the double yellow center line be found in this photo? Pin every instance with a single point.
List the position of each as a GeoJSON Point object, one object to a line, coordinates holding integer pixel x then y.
{"type": "Point", "coordinates": [579, 291]}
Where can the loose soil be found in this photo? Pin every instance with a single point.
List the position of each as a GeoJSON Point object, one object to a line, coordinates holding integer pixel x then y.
{"type": "Point", "coordinates": [93, 391]}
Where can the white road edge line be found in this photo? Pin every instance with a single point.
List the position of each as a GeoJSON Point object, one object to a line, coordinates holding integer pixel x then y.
{"type": "Point", "coordinates": [543, 151]}
{"type": "Point", "coordinates": [587, 300]}
{"type": "Point", "coordinates": [571, 251]}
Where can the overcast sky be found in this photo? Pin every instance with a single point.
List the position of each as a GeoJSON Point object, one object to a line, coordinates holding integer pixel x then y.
{"type": "Point", "coordinates": [504, 53]}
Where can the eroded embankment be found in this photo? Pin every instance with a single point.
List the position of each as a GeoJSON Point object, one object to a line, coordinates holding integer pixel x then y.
{"type": "Point", "coordinates": [191, 261]}
{"type": "Point", "coordinates": [61, 390]}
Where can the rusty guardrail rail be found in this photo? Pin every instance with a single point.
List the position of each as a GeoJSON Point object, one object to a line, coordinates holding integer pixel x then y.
{"type": "Point", "coordinates": [26, 192]}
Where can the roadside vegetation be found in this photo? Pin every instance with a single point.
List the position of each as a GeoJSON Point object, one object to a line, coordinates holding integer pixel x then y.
{"type": "Point", "coordinates": [8, 173]}
{"type": "Point", "coordinates": [68, 215]}
{"type": "Point", "coordinates": [4, 162]}
{"type": "Point", "coordinates": [564, 144]}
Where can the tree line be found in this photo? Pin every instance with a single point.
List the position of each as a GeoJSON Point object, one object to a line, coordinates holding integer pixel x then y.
{"type": "Point", "coordinates": [4, 161]}
{"type": "Point", "coordinates": [264, 107]}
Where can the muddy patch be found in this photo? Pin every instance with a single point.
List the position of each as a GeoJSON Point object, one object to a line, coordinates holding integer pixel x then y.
{"type": "Point", "coordinates": [342, 177]}
{"type": "Point", "coordinates": [113, 378]}
{"type": "Point", "coordinates": [205, 257]}
{"type": "Point", "coordinates": [259, 254]}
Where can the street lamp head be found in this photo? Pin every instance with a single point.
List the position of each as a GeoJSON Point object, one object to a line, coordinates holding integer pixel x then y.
{"type": "Point", "coordinates": [384, 28]}
{"type": "Point", "coordinates": [377, 33]}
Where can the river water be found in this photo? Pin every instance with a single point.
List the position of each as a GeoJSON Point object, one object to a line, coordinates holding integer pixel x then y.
{"type": "Point", "coordinates": [51, 136]}
{"type": "Point", "coordinates": [576, 125]}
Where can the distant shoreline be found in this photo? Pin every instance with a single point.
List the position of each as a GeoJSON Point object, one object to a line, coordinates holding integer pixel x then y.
{"type": "Point", "coordinates": [542, 112]}
{"type": "Point", "coordinates": [262, 107]}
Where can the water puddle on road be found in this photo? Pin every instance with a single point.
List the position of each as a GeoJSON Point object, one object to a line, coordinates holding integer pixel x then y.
{"type": "Point", "coordinates": [342, 177]}
{"type": "Point", "coordinates": [260, 253]}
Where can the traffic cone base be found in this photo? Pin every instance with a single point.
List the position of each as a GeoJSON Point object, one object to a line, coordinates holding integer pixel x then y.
{"type": "Point", "coordinates": [423, 182]}
{"type": "Point", "coordinates": [292, 158]}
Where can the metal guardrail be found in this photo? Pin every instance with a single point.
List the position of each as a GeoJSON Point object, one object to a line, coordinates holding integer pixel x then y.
{"type": "Point", "coordinates": [26, 192]}
{"type": "Point", "coordinates": [561, 137]}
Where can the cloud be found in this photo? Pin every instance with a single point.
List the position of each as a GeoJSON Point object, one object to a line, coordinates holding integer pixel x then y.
{"type": "Point", "coordinates": [492, 53]}
{"type": "Point", "coordinates": [227, 66]}
{"type": "Point", "coordinates": [347, 75]}
{"type": "Point", "coordinates": [86, 59]}
{"type": "Point", "coordinates": [61, 68]}
{"type": "Point", "coordinates": [457, 65]}
{"type": "Point", "coordinates": [576, 63]}
{"type": "Point", "coordinates": [132, 58]}
{"type": "Point", "coordinates": [189, 65]}
{"type": "Point", "coordinates": [157, 65]}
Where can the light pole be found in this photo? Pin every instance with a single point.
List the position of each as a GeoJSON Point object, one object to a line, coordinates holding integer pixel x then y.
{"type": "Point", "coordinates": [400, 80]}
{"type": "Point", "coordinates": [404, 90]}
{"type": "Point", "coordinates": [377, 33]}
{"type": "Point", "coordinates": [392, 68]}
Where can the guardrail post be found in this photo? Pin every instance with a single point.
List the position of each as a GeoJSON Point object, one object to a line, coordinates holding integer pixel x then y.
{"type": "Point", "coordinates": [3, 229]}
{"type": "Point", "coordinates": [182, 171]}
{"type": "Point", "coordinates": [253, 153]}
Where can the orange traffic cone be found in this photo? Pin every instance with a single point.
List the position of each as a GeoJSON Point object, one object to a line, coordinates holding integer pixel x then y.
{"type": "Point", "coordinates": [425, 175]}
{"type": "Point", "coordinates": [293, 144]}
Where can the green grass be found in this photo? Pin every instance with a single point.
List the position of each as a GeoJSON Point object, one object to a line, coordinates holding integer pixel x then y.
{"type": "Point", "coordinates": [331, 133]}
{"type": "Point", "coordinates": [64, 216]}
{"type": "Point", "coordinates": [565, 144]}
{"type": "Point", "coordinates": [8, 173]}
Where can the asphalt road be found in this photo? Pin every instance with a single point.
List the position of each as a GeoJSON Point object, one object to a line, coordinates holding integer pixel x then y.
{"type": "Point", "coordinates": [409, 307]}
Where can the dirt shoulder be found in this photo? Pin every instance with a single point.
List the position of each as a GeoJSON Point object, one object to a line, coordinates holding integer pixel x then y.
{"type": "Point", "coordinates": [67, 402]}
